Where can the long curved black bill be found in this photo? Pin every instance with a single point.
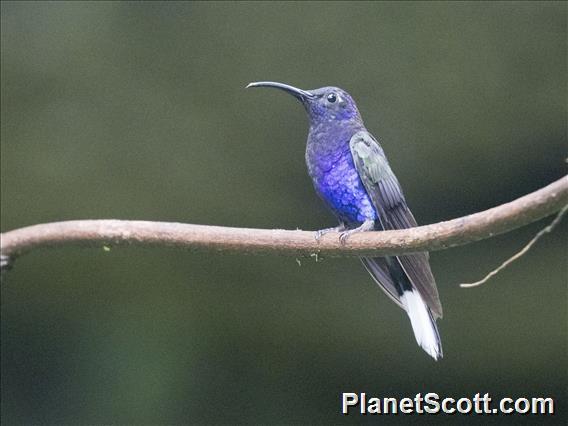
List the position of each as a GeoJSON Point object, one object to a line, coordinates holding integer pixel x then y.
{"type": "Point", "coordinates": [302, 95]}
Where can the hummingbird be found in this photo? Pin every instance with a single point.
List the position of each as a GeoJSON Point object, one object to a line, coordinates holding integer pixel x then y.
{"type": "Point", "coordinates": [350, 172]}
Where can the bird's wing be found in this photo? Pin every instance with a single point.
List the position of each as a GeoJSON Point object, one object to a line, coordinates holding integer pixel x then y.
{"type": "Point", "coordinates": [387, 197]}
{"type": "Point", "coordinates": [379, 270]}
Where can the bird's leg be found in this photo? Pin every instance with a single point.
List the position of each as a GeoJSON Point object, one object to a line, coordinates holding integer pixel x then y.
{"type": "Point", "coordinates": [322, 232]}
{"type": "Point", "coordinates": [368, 225]}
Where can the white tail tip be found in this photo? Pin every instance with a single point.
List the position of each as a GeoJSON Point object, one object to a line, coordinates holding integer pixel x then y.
{"type": "Point", "coordinates": [423, 325]}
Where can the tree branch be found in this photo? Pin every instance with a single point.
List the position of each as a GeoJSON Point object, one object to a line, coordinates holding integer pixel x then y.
{"type": "Point", "coordinates": [467, 229]}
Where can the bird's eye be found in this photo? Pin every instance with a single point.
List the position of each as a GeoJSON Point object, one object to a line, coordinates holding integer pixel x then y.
{"type": "Point", "coordinates": [331, 98]}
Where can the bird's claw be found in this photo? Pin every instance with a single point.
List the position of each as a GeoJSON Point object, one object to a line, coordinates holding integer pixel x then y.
{"type": "Point", "coordinates": [322, 232]}
{"type": "Point", "coordinates": [344, 235]}
{"type": "Point", "coordinates": [366, 226]}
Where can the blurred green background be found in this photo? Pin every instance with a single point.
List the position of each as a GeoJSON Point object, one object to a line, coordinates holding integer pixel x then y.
{"type": "Point", "coordinates": [138, 111]}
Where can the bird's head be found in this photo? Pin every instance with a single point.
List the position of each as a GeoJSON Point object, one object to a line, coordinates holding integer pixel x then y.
{"type": "Point", "coordinates": [322, 105]}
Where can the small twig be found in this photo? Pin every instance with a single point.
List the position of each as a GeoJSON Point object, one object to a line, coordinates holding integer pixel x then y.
{"type": "Point", "coordinates": [525, 249]}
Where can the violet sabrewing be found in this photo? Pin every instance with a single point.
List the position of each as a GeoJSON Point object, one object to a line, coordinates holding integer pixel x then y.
{"type": "Point", "coordinates": [352, 175]}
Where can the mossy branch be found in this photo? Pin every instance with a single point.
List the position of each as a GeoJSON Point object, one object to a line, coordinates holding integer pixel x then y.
{"type": "Point", "coordinates": [464, 230]}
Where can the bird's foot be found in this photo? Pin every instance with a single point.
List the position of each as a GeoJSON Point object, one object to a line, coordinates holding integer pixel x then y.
{"type": "Point", "coordinates": [368, 225]}
{"type": "Point", "coordinates": [322, 232]}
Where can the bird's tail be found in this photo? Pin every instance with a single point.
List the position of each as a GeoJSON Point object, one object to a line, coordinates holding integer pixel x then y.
{"type": "Point", "coordinates": [423, 324]}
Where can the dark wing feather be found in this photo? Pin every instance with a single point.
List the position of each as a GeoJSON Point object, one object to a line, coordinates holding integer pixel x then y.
{"type": "Point", "coordinates": [387, 197]}
{"type": "Point", "coordinates": [379, 270]}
